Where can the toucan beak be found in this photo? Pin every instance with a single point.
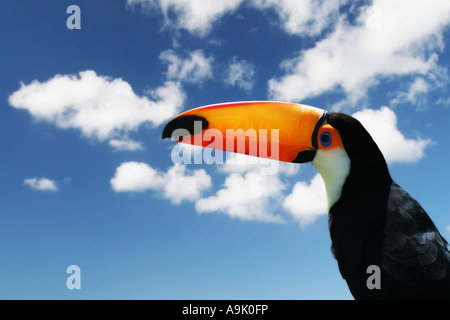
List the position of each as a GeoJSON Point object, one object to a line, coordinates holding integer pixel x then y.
{"type": "Point", "coordinates": [275, 130]}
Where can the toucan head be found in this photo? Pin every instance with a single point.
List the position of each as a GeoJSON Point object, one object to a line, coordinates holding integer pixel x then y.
{"type": "Point", "coordinates": [335, 143]}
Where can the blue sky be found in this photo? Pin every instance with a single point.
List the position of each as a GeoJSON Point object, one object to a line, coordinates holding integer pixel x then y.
{"type": "Point", "coordinates": [86, 180]}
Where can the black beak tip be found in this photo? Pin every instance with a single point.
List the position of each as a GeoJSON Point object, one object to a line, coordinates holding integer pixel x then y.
{"type": "Point", "coordinates": [305, 156]}
{"type": "Point", "coordinates": [184, 122]}
{"type": "Point", "coordinates": [167, 132]}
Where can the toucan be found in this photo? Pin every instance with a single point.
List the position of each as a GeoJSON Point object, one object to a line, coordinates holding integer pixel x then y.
{"type": "Point", "coordinates": [375, 225]}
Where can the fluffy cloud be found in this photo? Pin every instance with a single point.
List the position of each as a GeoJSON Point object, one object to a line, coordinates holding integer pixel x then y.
{"type": "Point", "coordinates": [415, 94]}
{"type": "Point", "coordinates": [307, 201]}
{"type": "Point", "coordinates": [125, 145]}
{"type": "Point", "coordinates": [388, 38]}
{"type": "Point", "coordinates": [195, 16]}
{"type": "Point", "coordinates": [246, 197]}
{"type": "Point", "coordinates": [240, 73]}
{"type": "Point", "coordinates": [241, 163]}
{"type": "Point", "coordinates": [136, 177]}
{"type": "Point", "coordinates": [303, 17]}
{"type": "Point", "coordinates": [382, 126]}
{"type": "Point", "coordinates": [443, 101]}
{"type": "Point", "coordinates": [299, 17]}
{"type": "Point", "coordinates": [177, 184]}
{"type": "Point", "coordinates": [194, 69]}
{"type": "Point", "coordinates": [100, 107]}
{"type": "Point", "coordinates": [41, 184]}
{"type": "Point", "coordinates": [248, 192]}
{"type": "Point", "coordinates": [181, 184]}
{"type": "Point", "coordinates": [389, 41]}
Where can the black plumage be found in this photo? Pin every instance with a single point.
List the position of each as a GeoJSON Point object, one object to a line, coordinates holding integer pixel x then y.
{"type": "Point", "coordinates": [376, 222]}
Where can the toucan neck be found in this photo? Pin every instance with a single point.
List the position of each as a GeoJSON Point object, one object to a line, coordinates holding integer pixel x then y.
{"type": "Point", "coordinates": [334, 167]}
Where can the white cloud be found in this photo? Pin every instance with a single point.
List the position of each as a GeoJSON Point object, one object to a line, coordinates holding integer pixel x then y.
{"type": "Point", "coordinates": [241, 163]}
{"type": "Point", "coordinates": [240, 73]}
{"type": "Point", "coordinates": [303, 17]}
{"type": "Point", "coordinates": [299, 17]}
{"type": "Point", "coordinates": [443, 101]}
{"type": "Point", "coordinates": [182, 184]}
{"type": "Point", "coordinates": [126, 145]}
{"type": "Point", "coordinates": [246, 197]}
{"type": "Point", "coordinates": [415, 94]}
{"type": "Point", "coordinates": [41, 184]}
{"type": "Point", "coordinates": [354, 57]}
{"type": "Point", "coordinates": [307, 201]}
{"type": "Point", "coordinates": [136, 177]}
{"type": "Point", "coordinates": [195, 16]}
{"type": "Point", "coordinates": [194, 69]}
{"type": "Point", "coordinates": [177, 184]}
{"type": "Point", "coordinates": [382, 126]}
{"type": "Point", "coordinates": [167, 102]}
{"type": "Point", "coordinates": [100, 107]}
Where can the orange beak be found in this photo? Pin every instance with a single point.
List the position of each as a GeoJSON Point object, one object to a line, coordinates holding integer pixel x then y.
{"type": "Point", "coordinates": [274, 130]}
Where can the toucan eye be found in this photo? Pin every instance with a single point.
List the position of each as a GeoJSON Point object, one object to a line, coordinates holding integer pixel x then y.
{"type": "Point", "coordinates": [325, 139]}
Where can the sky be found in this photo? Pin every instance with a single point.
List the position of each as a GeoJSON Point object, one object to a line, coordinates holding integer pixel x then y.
{"type": "Point", "coordinates": [85, 179]}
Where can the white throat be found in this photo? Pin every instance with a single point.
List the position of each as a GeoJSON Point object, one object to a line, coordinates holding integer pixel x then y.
{"type": "Point", "coordinates": [334, 167]}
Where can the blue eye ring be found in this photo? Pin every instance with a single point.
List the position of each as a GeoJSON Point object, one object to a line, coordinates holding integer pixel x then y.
{"type": "Point", "coordinates": [325, 139]}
